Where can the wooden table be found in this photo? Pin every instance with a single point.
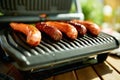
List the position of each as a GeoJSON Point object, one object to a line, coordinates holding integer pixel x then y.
{"type": "Point", "coordinates": [109, 70]}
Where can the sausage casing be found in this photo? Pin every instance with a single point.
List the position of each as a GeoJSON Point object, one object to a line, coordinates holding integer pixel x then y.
{"type": "Point", "coordinates": [32, 33]}
{"type": "Point", "coordinates": [92, 28]}
{"type": "Point", "coordinates": [66, 28]}
{"type": "Point", "coordinates": [53, 32]}
{"type": "Point", "coordinates": [80, 28]}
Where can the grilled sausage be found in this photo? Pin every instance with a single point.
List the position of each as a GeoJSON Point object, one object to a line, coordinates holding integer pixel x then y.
{"type": "Point", "coordinates": [53, 32]}
{"type": "Point", "coordinates": [93, 28]}
{"type": "Point", "coordinates": [66, 28]}
{"type": "Point", "coordinates": [32, 33]}
{"type": "Point", "coordinates": [80, 28]}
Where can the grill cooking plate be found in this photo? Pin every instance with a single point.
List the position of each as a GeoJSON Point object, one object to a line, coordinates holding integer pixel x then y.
{"type": "Point", "coordinates": [49, 53]}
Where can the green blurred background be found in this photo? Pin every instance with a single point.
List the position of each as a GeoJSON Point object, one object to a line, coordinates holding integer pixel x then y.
{"type": "Point", "coordinates": [92, 10]}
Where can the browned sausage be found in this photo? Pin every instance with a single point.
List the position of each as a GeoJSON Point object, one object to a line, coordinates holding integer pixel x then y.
{"type": "Point", "coordinates": [53, 32]}
{"type": "Point", "coordinates": [80, 28]}
{"type": "Point", "coordinates": [93, 28]}
{"type": "Point", "coordinates": [66, 28]}
{"type": "Point", "coordinates": [32, 33]}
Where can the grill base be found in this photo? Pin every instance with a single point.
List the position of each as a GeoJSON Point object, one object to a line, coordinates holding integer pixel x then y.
{"type": "Point", "coordinates": [41, 74]}
{"type": "Point", "coordinates": [51, 58]}
{"type": "Point", "coordinates": [46, 73]}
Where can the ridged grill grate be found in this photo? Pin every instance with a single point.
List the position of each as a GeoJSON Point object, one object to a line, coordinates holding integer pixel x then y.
{"type": "Point", "coordinates": [47, 47]}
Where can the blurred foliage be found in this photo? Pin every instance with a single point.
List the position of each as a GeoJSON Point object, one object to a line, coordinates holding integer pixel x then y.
{"type": "Point", "coordinates": [73, 8]}
{"type": "Point", "coordinates": [1, 14]}
{"type": "Point", "coordinates": [92, 10]}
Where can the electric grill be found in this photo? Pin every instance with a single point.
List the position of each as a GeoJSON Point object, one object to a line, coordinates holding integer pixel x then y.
{"type": "Point", "coordinates": [49, 57]}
